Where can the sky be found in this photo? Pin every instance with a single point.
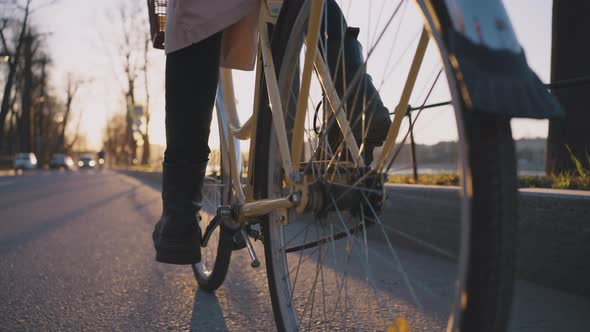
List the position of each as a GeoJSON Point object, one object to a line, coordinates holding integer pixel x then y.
{"type": "Point", "coordinates": [84, 41]}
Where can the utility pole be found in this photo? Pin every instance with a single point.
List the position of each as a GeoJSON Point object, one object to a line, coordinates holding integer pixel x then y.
{"type": "Point", "coordinates": [413, 148]}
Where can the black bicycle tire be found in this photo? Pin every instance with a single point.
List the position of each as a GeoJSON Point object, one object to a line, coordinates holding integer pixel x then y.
{"type": "Point", "coordinates": [491, 159]}
{"type": "Point", "coordinates": [222, 258]}
{"type": "Point", "coordinates": [494, 205]}
{"type": "Point", "coordinates": [221, 266]}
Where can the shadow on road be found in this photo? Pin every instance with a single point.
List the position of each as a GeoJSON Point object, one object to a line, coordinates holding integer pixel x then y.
{"type": "Point", "coordinates": [11, 243]}
{"type": "Point", "coordinates": [151, 179]}
{"type": "Point", "coordinates": [50, 190]}
{"type": "Point", "coordinates": [206, 310]}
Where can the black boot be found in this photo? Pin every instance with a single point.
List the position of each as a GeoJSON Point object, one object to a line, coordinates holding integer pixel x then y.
{"type": "Point", "coordinates": [362, 95]}
{"type": "Point", "coordinates": [177, 236]}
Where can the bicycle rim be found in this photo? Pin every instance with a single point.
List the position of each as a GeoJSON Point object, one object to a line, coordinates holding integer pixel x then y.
{"type": "Point", "coordinates": [408, 266]}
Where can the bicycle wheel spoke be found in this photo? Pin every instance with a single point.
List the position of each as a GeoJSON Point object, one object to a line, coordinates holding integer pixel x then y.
{"type": "Point", "coordinates": [398, 262]}
{"type": "Point", "coordinates": [360, 256]}
{"type": "Point", "coordinates": [422, 243]}
{"type": "Point", "coordinates": [325, 316]}
{"type": "Point", "coordinates": [395, 256]}
{"type": "Point", "coordinates": [414, 123]}
{"type": "Point", "coordinates": [367, 268]}
{"type": "Point", "coordinates": [311, 295]}
{"type": "Point", "coordinates": [297, 273]}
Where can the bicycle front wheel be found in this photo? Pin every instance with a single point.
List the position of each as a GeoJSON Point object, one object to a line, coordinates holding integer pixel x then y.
{"type": "Point", "coordinates": [371, 254]}
{"type": "Point", "coordinates": [215, 256]}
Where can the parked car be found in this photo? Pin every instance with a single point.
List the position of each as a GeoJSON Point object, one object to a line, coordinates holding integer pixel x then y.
{"type": "Point", "coordinates": [60, 160]}
{"type": "Point", "coordinates": [25, 161]}
{"type": "Point", "coordinates": [86, 161]}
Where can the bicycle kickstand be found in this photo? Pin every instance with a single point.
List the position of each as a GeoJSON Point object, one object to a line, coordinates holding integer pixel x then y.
{"type": "Point", "coordinates": [255, 262]}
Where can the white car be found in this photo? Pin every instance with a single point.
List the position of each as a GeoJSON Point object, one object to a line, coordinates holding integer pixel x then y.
{"type": "Point", "coordinates": [25, 161]}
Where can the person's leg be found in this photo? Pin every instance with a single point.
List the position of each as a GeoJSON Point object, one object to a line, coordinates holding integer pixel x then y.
{"type": "Point", "coordinates": [345, 59]}
{"type": "Point", "coordinates": [191, 83]}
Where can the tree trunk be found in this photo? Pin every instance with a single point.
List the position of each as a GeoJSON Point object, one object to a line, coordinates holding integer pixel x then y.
{"type": "Point", "coordinates": [26, 94]}
{"type": "Point", "coordinates": [146, 155]}
{"type": "Point", "coordinates": [61, 140]}
{"type": "Point", "coordinates": [131, 143]}
{"type": "Point", "coordinates": [9, 135]}
{"type": "Point", "coordinates": [40, 139]}
{"type": "Point", "coordinates": [570, 54]}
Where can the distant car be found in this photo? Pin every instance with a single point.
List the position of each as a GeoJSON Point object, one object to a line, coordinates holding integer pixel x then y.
{"type": "Point", "coordinates": [86, 161]}
{"type": "Point", "coordinates": [25, 161]}
{"type": "Point", "coordinates": [60, 160]}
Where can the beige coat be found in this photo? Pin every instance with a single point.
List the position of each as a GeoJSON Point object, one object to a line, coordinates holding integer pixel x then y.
{"type": "Point", "coordinates": [190, 21]}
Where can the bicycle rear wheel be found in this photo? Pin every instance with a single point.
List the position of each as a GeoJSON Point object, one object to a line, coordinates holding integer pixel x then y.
{"type": "Point", "coordinates": [434, 258]}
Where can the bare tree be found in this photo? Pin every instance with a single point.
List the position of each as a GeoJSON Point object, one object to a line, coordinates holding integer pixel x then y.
{"type": "Point", "coordinates": [131, 55]}
{"type": "Point", "coordinates": [131, 65]}
{"type": "Point", "coordinates": [22, 111]}
{"type": "Point", "coordinates": [72, 86]}
{"type": "Point", "coordinates": [134, 51]}
{"type": "Point", "coordinates": [13, 61]}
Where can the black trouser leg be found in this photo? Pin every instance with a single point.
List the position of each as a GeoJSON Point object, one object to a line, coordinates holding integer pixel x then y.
{"type": "Point", "coordinates": [345, 60]}
{"type": "Point", "coordinates": [191, 85]}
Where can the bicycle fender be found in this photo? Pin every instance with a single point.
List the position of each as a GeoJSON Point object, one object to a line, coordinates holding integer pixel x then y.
{"type": "Point", "coordinates": [489, 63]}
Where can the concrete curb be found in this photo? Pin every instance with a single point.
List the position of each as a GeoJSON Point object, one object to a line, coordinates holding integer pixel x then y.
{"type": "Point", "coordinates": [553, 240]}
{"type": "Point", "coordinates": [553, 231]}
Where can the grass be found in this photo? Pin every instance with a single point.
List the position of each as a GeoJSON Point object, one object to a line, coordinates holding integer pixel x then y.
{"type": "Point", "coordinates": [569, 180]}
{"type": "Point", "coordinates": [438, 179]}
{"type": "Point", "coordinates": [572, 180]}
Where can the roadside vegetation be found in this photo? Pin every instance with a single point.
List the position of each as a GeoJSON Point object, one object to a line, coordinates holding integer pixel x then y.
{"type": "Point", "coordinates": [578, 179]}
{"type": "Point", "coordinates": [573, 181]}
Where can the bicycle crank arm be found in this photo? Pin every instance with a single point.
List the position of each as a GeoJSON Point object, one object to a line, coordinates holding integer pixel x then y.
{"type": "Point", "coordinates": [266, 206]}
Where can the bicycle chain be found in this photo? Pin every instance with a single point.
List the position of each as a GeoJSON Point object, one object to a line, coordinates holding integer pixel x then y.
{"type": "Point", "coordinates": [254, 234]}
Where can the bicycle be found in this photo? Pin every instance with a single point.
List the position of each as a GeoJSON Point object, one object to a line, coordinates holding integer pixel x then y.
{"type": "Point", "coordinates": [317, 207]}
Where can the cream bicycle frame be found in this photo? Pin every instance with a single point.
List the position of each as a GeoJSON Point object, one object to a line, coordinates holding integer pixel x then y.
{"type": "Point", "coordinates": [231, 131]}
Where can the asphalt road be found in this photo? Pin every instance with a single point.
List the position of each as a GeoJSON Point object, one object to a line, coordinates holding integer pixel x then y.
{"type": "Point", "coordinates": [76, 254]}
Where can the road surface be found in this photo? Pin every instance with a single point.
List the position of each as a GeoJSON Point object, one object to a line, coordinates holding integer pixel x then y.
{"type": "Point", "coordinates": [76, 254]}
